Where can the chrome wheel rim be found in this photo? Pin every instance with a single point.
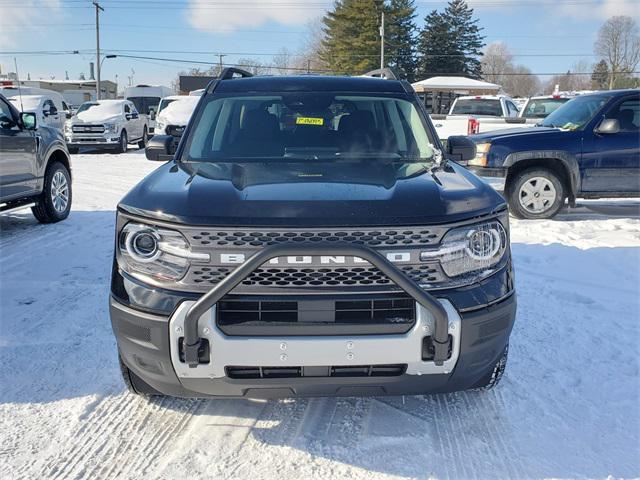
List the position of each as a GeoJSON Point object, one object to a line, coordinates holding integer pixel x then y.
{"type": "Point", "coordinates": [537, 195]}
{"type": "Point", "coordinates": [59, 192]}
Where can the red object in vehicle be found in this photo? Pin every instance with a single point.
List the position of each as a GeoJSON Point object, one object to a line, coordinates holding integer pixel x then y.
{"type": "Point", "coordinates": [473, 126]}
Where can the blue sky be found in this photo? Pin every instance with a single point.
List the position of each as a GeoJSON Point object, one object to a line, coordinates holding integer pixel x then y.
{"type": "Point", "coordinates": [545, 35]}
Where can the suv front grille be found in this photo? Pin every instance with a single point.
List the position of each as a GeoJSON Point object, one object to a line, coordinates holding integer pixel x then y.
{"type": "Point", "coordinates": [412, 236]}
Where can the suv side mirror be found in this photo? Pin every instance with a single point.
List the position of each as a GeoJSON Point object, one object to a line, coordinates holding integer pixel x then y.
{"type": "Point", "coordinates": [152, 114]}
{"type": "Point", "coordinates": [28, 120]}
{"type": "Point", "coordinates": [160, 148]}
{"type": "Point", "coordinates": [68, 115]}
{"type": "Point", "coordinates": [461, 148]}
{"type": "Point", "coordinates": [128, 116]}
{"type": "Point", "coordinates": [608, 126]}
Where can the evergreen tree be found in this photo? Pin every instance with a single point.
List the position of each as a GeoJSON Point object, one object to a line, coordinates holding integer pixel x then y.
{"type": "Point", "coordinates": [467, 38]}
{"type": "Point", "coordinates": [400, 33]}
{"type": "Point", "coordinates": [600, 76]}
{"type": "Point", "coordinates": [450, 43]}
{"type": "Point", "coordinates": [352, 36]}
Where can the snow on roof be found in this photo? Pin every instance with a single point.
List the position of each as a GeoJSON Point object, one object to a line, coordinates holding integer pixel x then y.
{"type": "Point", "coordinates": [462, 83]}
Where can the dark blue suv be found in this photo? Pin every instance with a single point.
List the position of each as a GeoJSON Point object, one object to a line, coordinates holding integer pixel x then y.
{"type": "Point", "coordinates": [588, 148]}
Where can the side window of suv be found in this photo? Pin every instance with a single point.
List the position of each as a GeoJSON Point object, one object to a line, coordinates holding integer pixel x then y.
{"type": "Point", "coordinates": [7, 122]}
{"type": "Point", "coordinates": [627, 113]}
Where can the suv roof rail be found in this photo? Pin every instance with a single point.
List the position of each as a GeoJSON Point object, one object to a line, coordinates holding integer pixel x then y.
{"type": "Point", "coordinates": [229, 73]}
{"type": "Point", "coordinates": [385, 73]}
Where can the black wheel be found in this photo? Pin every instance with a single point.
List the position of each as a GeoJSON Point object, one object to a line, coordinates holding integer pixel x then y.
{"type": "Point", "coordinates": [535, 193]}
{"type": "Point", "coordinates": [124, 142]}
{"type": "Point", "coordinates": [135, 384]}
{"type": "Point", "coordinates": [55, 202]}
{"type": "Point", "coordinates": [73, 150]}
{"type": "Point", "coordinates": [493, 378]}
{"type": "Point", "coordinates": [145, 138]}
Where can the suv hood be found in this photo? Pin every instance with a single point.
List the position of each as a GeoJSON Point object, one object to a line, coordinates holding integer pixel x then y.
{"type": "Point", "coordinates": [310, 195]}
{"type": "Point", "coordinates": [511, 132]}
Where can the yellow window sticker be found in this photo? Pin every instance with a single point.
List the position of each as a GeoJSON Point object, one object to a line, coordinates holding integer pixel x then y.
{"type": "Point", "coordinates": [309, 121]}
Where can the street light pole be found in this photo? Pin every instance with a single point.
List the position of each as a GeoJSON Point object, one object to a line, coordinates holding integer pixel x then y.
{"type": "Point", "coordinates": [100, 67]}
{"type": "Point", "coordinates": [98, 8]}
{"type": "Point", "coordinates": [382, 41]}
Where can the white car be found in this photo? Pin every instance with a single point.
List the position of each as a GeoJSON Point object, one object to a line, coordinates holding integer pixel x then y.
{"type": "Point", "coordinates": [175, 111]}
{"type": "Point", "coordinates": [43, 106]}
{"type": "Point", "coordinates": [106, 124]}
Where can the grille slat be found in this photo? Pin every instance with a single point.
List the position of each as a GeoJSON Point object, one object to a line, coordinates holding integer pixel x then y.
{"type": "Point", "coordinates": [412, 236]}
{"type": "Point", "coordinates": [390, 370]}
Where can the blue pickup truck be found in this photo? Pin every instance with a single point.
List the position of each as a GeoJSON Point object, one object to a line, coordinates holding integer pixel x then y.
{"type": "Point", "coordinates": [587, 148]}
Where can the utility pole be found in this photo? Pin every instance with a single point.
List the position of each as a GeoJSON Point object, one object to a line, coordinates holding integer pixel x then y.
{"type": "Point", "coordinates": [98, 8]}
{"type": "Point", "coordinates": [382, 41]}
{"type": "Point", "coordinates": [220, 57]}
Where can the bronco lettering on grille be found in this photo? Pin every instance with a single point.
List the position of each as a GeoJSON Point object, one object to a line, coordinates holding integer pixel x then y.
{"type": "Point", "coordinates": [237, 258]}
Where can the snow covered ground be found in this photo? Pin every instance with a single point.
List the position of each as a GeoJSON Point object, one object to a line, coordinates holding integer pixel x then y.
{"type": "Point", "coordinates": [568, 407]}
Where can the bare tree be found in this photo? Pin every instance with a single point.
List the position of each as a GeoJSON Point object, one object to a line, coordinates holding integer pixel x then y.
{"type": "Point", "coordinates": [496, 61]}
{"type": "Point", "coordinates": [282, 62]}
{"type": "Point", "coordinates": [498, 67]}
{"type": "Point", "coordinates": [619, 44]}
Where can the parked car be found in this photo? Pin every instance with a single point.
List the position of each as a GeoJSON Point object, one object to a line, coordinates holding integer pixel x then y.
{"type": "Point", "coordinates": [106, 124]}
{"type": "Point", "coordinates": [481, 113]}
{"type": "Point", "coordinates": [35, 170]}
{"type": "Point", "coordinates": [146, 99]}
{"type": "Point", "coordinates": [541, 107]}
{"type": "Point", "coordinates": [43, 107]}
{"type": "Point", "coordinates": [175, 111]}
{"type": "Point", "coordinates": [587, 148]}
{"type": "Point", "coordinates": [310, 236]}
{"type": "Point", "coordinates": [63, 107]}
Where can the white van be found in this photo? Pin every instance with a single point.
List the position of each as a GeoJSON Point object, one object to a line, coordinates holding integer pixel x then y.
{"type": "Point", "coordinates": [146, 99]}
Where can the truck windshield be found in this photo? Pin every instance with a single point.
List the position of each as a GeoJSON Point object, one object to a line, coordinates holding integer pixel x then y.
{"type": "Point", "coordinates": [477, 106]}
{"type": "Point", "coordinates": [576, 113]}
{"type": "Point", "coordinates": [307, 126]}
{"type": "Point", "coordinates": [541, 107]}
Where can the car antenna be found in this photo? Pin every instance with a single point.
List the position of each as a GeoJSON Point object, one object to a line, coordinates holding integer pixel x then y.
{"type": "Point", "coordinates": [15, 62]}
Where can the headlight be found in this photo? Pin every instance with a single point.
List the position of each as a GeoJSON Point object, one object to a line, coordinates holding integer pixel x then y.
{"type": "Point", "coordinates": [474, 248]}
{"type": "Point", "coordinates": [111, 127]}
{"type": "Point", "coordinates": [67, 126]}
{"type": "Point", "coordinates": [159, 253]}
{"type": "Point", "coordinates": [482, 150]}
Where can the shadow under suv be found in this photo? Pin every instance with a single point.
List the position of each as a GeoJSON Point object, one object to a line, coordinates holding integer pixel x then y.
{"type": "Point", "coordinates": [309, 236]}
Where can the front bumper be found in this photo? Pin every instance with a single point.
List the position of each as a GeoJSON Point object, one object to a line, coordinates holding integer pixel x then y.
{"type": "Point", "coordinates": [146, 343]}
{"type": "Point", "coordinates": [107, 140]}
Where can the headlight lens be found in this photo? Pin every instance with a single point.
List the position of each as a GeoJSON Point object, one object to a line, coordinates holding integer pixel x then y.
{"type": "Point", "coordinates": [111, 127]}
{"type": "Point", "coordinates": [159, 253]}
{"type": "Point", "coordinates": [470, 249]}
{"type": "Point", "coordinates": [482, 150]}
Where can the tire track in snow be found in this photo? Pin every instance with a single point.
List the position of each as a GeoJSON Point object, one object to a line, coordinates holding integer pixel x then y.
{"type": "Point", "coordinates": [120, 436]}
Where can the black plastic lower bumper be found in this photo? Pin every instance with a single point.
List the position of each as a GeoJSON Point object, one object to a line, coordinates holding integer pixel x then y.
{"type": "Point", "coordinates": [143, 341]}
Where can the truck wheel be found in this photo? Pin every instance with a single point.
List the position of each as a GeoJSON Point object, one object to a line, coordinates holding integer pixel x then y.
{"type": "Point", "coordinates": [494, 377]}
{"type": "Point", "coordinates": [145, 138]}
{"type": "Point", "coordinates": [535, 193]}
{"type": "Point", "coordinates": [134, 383]}
{"type": "Point", "coordinates": [55, 202]}
{"type": "Point", "coordinates": [124, 142]}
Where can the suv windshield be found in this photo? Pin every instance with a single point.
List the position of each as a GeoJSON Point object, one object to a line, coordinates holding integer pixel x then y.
{"type": "Point", "coordinates": [541, 107]}
{"type": "Point", "coordinates": [576, 113]}
{"type": "Point", "coordinates": [477, 106]}
{"type": "Point", "coordinates": [307, 126]}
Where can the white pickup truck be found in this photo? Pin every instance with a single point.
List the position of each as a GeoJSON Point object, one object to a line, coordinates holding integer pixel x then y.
{"type": "Point", "coordinates": [479, 114]}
